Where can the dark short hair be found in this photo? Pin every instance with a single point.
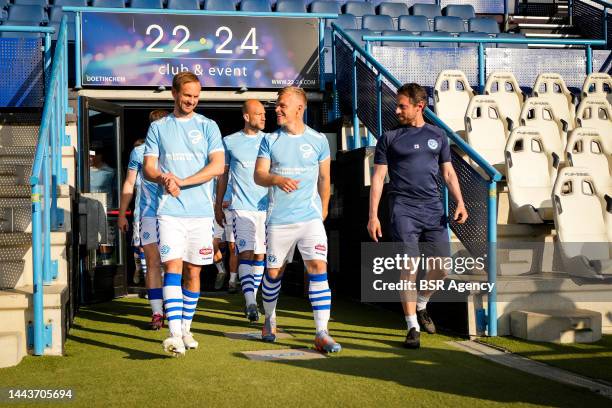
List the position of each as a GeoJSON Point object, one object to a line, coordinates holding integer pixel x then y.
{"type": "Point", "coordinates": [157, 114]}
{"type": "Point", "coordinates": [415, 92]}
{"type": "Point", "coordinates": [183, 78]}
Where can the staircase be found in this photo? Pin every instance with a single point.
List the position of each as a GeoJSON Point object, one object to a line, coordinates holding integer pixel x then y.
{"type": "Point", "coordinates": [545, 19]}
{"type": "Point", "coordinates": [18, 140]}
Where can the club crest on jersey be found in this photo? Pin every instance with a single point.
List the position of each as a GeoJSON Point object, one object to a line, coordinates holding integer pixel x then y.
{"type": "Point", "coordinates": [306, 150]}
{"type": "Point", "coordinates": [164, 250]}
{"type": "Point", "coordinates": [241, 243]}
{"type": "Point", "coordinates": [271, 258]}
{"type": "Point", "coordinates": [206, 251]}
{"type": "Point", "coordinates": [433, 144]}
{"type": "Point", "coordinates": [195, 136]}
{"type": "Point", "coordinates": [416, 146]}
{"type": "Point", "coordinates": [146, 235]}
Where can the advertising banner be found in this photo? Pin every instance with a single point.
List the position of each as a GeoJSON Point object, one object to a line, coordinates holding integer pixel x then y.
{"type": "Point", "coordinates": [147, 50]}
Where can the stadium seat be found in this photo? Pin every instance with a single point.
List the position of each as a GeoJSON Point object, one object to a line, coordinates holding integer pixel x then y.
{"type": "Point", "coordinates": [487, 130]}
{"type": "Point", "coordinates": [358, 34]}
{"type": "Point", "coordinates": [473, 35]}
{"type": "Point", "coordinates": [27, 15]}
{"type": "Point", "coordinates": [432, 44]}
{"type": "Point", "coordinates": [597, 84]}
{"type": "Point", "coordinates": [483, 25]}
{"type": "Point", "coordinates": [463, 11]}
{"type": "Point", "coordinates": [531, 168]}
{"type": "Point", "coordinates": [346, 21]}
{"type": "Point", "coordinates": [255, 5]}
{"type": "Point", "coordinates": [449, 24]}
{"type": "Point", "coordinates": [586, 148]}
{"type": "Point", "coordinates": [409, 44]}
{"type": "Point", "coordinates": [219, 5]}
{"type": "Point", "coordinates": [72, 3]}
{"type": "Point", "coordinates": [594, 112]}
{"type": "Point", "coordinates": [319, 6]}
{"type": "Point", "coordinates": [452, 94]}
{"type": "Point", "coordinates": [291, 6]}
{"type": "Point", "coordinates": [413, 23]}
{"type": "Point", "coordinates": [108, 3]}
{"type": "Point", "coordinates": [377, 23]}
{"type": "Point", "coordinates": [512, 35]}
{"type": "Point", "coordinates": [504, 88]}
{"type": "Point", "coordinates": [147, 4]}
{"type": "Point", "coordinates": [184, 4]}
{"type": "Point", "coordinates": [44, 3]}
{"type": "Point", "coordinates": [428, 10]}
{"type": "Point", "coordinates": [359, 8]}
{"type": "Point", "coordinates": [55, 18]}
{"type": "Point", "coordinates": [539, 113]}
{"type": "Point", "coordinates": [393, 10]}
{"type": "Point", "coordinates": [552, 87]}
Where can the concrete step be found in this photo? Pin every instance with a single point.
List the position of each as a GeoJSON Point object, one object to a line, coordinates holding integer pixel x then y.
{"type": "Point", "coordinates": [553, 35]}
{"type": "Point", "coordinates": [11, 346]}
{"type": "Point", "coordinates": [575, 326]}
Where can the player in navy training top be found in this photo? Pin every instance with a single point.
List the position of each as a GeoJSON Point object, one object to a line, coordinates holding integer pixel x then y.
{"type": "Point", "coordinates": [415, 154]}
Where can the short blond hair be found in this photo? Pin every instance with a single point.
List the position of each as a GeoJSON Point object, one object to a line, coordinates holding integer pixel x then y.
{"type": "Point", "coordinates": [299, 92]}
{"type": "Point", "coordinates": [157, 114]}
{"type": "Point", "coordinates": [183, 78]}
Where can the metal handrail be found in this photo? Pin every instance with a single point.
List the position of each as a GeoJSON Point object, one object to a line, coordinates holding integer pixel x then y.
{"type": "Point", "coordinates": [79, 10]}
{"type": "Point", "coordinates": [492, 173]}
{"type": "Point", "coordinates": [45, 176]}
{"type": "Point", "coordinates": [47, 31]}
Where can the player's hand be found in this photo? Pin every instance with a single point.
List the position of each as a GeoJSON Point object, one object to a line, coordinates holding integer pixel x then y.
{"type": "Point", "coordinates": [374, 229]}
{"type": "Point", "coordinates": [122, 223]}
{"type": "Point", "coordinates": [461, 214]}
{"type": "Point", "coordinates": [288, 185]}
{"type": "Point", "coordinates": [219, 216]}
{"type": "Point", "coordinates": [171, 184]}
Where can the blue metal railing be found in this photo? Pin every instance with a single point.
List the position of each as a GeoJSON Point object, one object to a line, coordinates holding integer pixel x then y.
{"type": "Point", "coordinates": [78, 10]}
{"type": "Point", "coordinates": [45, 176]}
{"type": "Point", "coordinates": [489, 40]}
{"type": "Point", "coordinates": [47, 31]}
{"type": "Point", "coordinates": [382, 74]}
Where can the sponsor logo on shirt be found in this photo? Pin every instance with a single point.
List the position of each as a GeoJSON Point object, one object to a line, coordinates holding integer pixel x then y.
{"type": "Point", "coordinates": [206, 251]}
{"type": "Point", "coordinates": [433, 144]}
{"type": "Point", "coordinates": [321, 247]}
{"type": "Point", "coordinates": [195, 136]}
{"type": "Point", "coordinates": [306, 150]}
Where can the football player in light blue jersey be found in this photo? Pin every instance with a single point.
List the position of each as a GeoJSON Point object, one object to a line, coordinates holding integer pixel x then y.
{"type": "Point", "coordinates": [144, 236]}
{"type": "Point", "coordinates": [184, 152]}
{"type": "Point", "coordinates": [249, 201]}
{"type": "Point", "coordinates": [224, 240]}
{"type": "Point", "coordinates": [294, 162]}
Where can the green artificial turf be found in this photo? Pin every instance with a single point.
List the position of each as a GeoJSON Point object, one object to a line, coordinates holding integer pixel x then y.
{"type": "Point", "coordinates": [592, 360]}
{"type": "Point", "coordinates": [113, 361]}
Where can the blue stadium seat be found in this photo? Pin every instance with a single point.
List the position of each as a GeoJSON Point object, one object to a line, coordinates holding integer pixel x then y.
{"type": "Point", "coordinates": [71, 3]}
{"type": "Point", "coordinates": [392, 9]}
{"type": "Point", "coordinates": [44, 3]}
{"type": "Point", "coordinates": [108, 3]}
{"type": "Point", "coordinates": [483, 25]}
{"type": "Point", "coordinates": [449, 24]}
{"type": "Point", "coordinates": [409, 44]}
{"type": "Point", "coordinates": [358, 34]}
{"type": "Point", "coordinates": [147, 4]}
{"type": "Point", "coordinates": [55, 18]}
{"type": "Point", "coordinates": [428, 10]}
{"type": "Point", "coordinates": [377, 23]}
{"type": "Point", "coordinates": [438, 44]}
{"type": "Point", "coordinates": [255, 5]}
{"type": "Point", "coordinates": [464, 11]}
{"type": "Point", "coordinates": [321, 6]}
{"type": "Point", "coordinates": [359, 8]}
{"type": "Point", "coordinates": [184, 4]}
{"type": "Point", "coordinates": [414, 23]}
{"type": "Point", "coordinates": [347, 21]}
{"type": "Point", "coordinates": [27, 15]}
{"type": "Point", "coordinates": [474, 34]}
{"type": "Point", "coordinates": [291, 6]}
{"type": "Point", "coordinates": [219, 5]}
{"type": "Point", "coordinates": [511, 35]}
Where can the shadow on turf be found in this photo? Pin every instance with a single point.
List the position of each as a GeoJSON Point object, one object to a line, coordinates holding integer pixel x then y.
{"type": "Point", "coordinates": [132, 354]}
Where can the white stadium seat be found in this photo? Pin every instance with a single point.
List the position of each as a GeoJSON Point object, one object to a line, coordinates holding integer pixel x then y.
{"type": "Point", "coordinates": [551, 86]}
{"type": "Point", "coordinates": [598, 84]}
{"type": "Point", "coordinates": [504, 88]}
{"type": "Point", "coordinates": [539, 113]}
{"type": "Point", "coordinates": [595, 112]}
{"type": "Point", "coordinates": [531, 168]}
{"type": "Point", "coordinates": [487, 130]}
{"type": "Point", "coordinates": [586, 148]}
{"type": "Point", "coordinates": [452, 94]}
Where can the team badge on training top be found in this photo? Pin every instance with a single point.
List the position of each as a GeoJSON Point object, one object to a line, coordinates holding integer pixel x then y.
{"type": "Point", "coordinates": [433, 144]}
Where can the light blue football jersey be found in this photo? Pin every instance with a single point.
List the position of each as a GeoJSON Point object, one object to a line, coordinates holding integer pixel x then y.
{"type": "Point", "coordinates": [240, 155]}
{"type": "Point", "coordinates": [296, 157]}
{"type": "Point", "coordinates": [182, 146]}
{"type": "Point", "coordinates": [145, 203]}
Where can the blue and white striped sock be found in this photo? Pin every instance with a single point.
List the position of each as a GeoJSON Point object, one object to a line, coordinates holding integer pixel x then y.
{"type": "Point", "coordinates": [270, 290]}
{"type": "Point", "coordinates": [320, 299]}
{"type": "Point", "coordinates": [190, 302]}
{"type": "Point", "coordinates": [156, 299]}
{"type": "Point", "coordinates": [173, 302]}
{"type": "Point", "coordinates": [258, 272]}
{"type": "Point", "coordinates": [245, 276]}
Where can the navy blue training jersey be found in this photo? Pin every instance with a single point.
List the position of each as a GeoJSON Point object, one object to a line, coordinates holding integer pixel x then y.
{"type": "Point", "coordinates": [413, 156]}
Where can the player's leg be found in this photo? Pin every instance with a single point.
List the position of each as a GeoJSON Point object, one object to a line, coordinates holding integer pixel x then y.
{"type": "Point", "coordinates": [259, 249]}
{"type": "Point", "coordinates": [312, 243]}
{"type": "Point", "coordinates": [244, 235]}
{"type": "Point", "coordinates": [153, 278]}
{"type": "Point", "coordinates": [231, 251]}
{"type": "Point", "coordinates": [172, 243]}
{"type": "Point", "coordinates": [136, 253]}
{"type": "Point", "coordinates": [218, 232]}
